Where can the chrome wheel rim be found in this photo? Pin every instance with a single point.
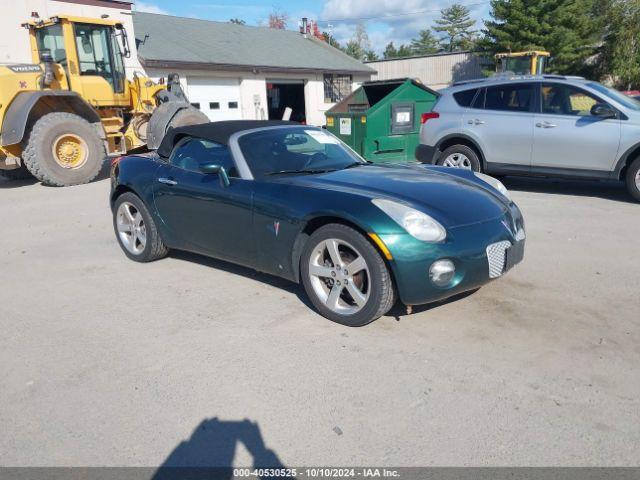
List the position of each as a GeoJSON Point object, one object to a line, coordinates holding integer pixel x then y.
{"type": "Point", "coordinates": [131, 228]}
{"type": "Point", "coordinates": [638, 179]}
{"type": "Point", "coordinates": [339, 276]}
{"type": "Point", "coordinates": [457, 160]}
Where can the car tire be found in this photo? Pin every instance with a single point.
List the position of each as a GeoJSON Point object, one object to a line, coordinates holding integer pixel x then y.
{"type": "Point", "coordinates": [63, 149]}
{"type": "Point", "coordinates": [136, 231]}
{"type": "Point", "coordinates": [460, 156]}
{"type": "Point", "coordinates": [372, 282]}
{"type": "Point", "coordinates": [633, 179]}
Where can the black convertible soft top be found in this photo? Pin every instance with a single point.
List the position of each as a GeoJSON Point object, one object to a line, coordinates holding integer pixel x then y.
{"type": "Point", "coordinates": [218, 132]}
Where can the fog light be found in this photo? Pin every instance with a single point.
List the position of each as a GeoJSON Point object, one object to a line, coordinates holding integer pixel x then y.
{"type": "Point", "coordinates": [441, 272]}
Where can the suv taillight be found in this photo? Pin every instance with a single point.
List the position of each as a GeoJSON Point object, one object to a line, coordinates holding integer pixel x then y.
{"type": "Point", "coordinates": [428, 116]}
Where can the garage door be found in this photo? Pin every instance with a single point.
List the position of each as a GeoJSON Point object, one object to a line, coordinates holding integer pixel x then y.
{"type": "Point", "coordinates": [218, 98]}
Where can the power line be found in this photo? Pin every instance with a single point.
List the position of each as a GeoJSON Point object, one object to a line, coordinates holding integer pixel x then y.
{"type": "Point", "coordinates": [382, 17]}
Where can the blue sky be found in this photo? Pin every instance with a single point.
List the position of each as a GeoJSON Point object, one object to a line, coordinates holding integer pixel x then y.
{"type": "Point", "coordinates": [386, 20]}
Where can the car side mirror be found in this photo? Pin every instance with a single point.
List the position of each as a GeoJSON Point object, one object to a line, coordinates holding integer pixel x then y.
{"type": "Point", "coordinates": [603, 110]}
{"type": "Point", "coordinates": [215, 169]}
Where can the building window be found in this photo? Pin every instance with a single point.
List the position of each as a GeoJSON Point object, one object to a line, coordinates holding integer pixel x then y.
{"type": "Point", "coordinates": [196, 105]}
{"type": "Point", "coordinates": [214, 105]}
{"type": "Point", "coordinates": [336, 87]}
{"type": "Point", "coordinates": [233, 104]}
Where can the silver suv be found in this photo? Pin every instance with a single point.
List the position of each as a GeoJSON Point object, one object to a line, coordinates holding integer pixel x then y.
{"type": "Point", "coordinates": [535, 125]}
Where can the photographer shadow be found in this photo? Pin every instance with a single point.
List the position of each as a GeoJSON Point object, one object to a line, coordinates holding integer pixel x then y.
{"type": "Point", "coordinates": [209, 452]}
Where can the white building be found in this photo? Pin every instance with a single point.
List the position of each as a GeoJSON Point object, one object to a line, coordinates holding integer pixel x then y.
{"type": "Point", "coordinates": [436, 71]}
{"type": "Point", "coordinates": [14, 39]}
{"type": "Point", "coordinates": [229, 71]}
{"type": "Point", "coordinates": [234, 71]}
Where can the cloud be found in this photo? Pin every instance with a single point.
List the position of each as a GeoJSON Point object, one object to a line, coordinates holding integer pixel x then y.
{"type": "Point", "coordinates": [149, 8]}
{"type": "Point", "coordinates": [396, 21]}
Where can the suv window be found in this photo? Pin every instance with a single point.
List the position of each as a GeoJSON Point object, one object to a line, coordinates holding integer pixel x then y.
{"type": "Point", "coordinates": [191, 153]}
{"type": "Point", "coordinates": [465, 97]}
{"type": "Point", "coordinates": [509, 98]}
{"type": "Point", "coordinates": [560, 99]}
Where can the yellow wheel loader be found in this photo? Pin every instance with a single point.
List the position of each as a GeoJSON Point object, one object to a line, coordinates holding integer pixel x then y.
{"type": "Point", "coordinates": [61, 115]}
{"type": "Point", "coordinates": [522, 63]}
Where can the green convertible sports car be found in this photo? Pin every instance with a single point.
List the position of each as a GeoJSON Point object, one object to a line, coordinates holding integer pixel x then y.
{"type": "Point", "coordinates": [294, 201]}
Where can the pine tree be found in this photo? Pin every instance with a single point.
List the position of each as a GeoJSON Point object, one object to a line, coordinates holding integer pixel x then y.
{"type": "Point", "coordinates": [390, 51]}
{"type": "Point", "coordinates": [331, 40]}
{"type": "Point", "coordinates": [456, 24]}
{"type": "Point", "coordinates": [370, 56]}
{"type": "Point", "coordinates": [567, 29]}
{"type": "Point", "coordinates": [405, 51]}
{"type": "Point", "coordinates": [354, 50]}
{"type": "Point", "coordinates": [425, 44]}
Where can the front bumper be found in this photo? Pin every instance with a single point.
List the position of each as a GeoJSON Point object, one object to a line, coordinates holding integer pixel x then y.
{"type": "Point", "coordinates": [467, 247]}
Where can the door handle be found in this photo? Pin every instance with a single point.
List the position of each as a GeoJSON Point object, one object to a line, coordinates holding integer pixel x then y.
{"type": "Point", "coordinates": [546, 125]}
{"type": "Point", "coordinates": [476, 122]}
{"type": "Point", "coordinates": [167, 181]}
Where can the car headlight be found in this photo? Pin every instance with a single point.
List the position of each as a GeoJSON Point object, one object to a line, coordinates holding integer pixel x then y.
{"type": "Point", "coordinates": [495, 183]}
{"type": "Point", "coordinates": [419, 225]}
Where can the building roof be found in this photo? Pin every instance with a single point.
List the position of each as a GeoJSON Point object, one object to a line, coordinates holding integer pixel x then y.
{"type": "Point", "coordinates": [428, 55]}
{"type": "Point", "coordinates": [167, 41]}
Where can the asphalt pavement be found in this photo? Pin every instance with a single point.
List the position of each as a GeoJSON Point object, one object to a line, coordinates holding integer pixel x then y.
{"type": "Point", "coordinates": [109, 362]}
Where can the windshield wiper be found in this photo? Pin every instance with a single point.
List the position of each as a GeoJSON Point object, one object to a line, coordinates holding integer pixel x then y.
{"type": "Point", "coordinates": [303, 171]}
{"type": "Point", "coordinates": [357, 164]}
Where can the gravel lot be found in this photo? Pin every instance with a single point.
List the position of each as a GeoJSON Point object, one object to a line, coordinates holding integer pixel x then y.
{"type": "Point", "coordinates": [109, 362]}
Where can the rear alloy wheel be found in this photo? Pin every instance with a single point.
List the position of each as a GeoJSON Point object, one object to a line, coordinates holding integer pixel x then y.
{"type": "Point", "coordinates": [345, 277]}
{"type": "Point", "coordinates": [136, 231]}
{"type": "Point", "coordinates": [460, 156]}
{"type": "Point", "coordinates": [633, 179]}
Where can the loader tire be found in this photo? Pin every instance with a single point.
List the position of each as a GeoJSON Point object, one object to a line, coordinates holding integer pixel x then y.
{"type": "Point", "coordinates": [16, 174]}
{"type": "Point", "coordinates": [188, 116]}
{"type": "Point", "coordinates": [63, 149]}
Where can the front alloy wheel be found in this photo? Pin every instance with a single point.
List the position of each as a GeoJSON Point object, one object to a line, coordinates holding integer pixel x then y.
{"type": "Point", "coordinates": [339, 276]}
{"type": "Point", "coordinates": [135, 229]}
{"type": "Point", "coordinates": [345, 277]}
{"type": "Point", "coordinates": [131, 228]}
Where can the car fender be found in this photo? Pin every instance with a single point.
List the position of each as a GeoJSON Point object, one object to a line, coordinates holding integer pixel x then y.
{"type": "Point", "coordinates": [326, 217]}
{"type": "Point", "coordinates": [628, 156]}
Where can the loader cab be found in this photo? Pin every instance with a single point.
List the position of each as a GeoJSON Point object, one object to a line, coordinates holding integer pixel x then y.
{"type": "Point", "coordinates": [522, 63]}
{"type": "Point", "coordinates": [90, 55]}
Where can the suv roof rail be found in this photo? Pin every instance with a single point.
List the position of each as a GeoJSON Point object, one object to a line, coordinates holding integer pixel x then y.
{"type": "Point", "coordinates": [466, 82]}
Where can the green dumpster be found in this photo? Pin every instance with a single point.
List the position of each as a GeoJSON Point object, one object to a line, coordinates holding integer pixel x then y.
{"type": "Point", "coordinates": [381, 119]}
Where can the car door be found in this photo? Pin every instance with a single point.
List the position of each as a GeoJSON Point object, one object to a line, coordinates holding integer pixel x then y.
{"type": "Point", "coordinates": [568, 136]}
{"type": "Point", "coordinates": [501, 121]}
{"type": "Point", "coordinates": [199, 212]}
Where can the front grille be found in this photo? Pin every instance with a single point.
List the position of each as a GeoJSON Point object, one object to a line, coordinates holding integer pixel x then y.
{"type": "Point", "coordinates": [496, 256]}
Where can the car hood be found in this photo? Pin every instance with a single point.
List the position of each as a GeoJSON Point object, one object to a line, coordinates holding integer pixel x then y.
{"type": "Point", "coordinates": [453, 198]}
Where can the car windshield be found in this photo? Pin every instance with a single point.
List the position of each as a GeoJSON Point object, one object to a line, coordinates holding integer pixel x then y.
{"type": "Point", "coordinates": [619, 97]}
{"type": "Point", "coordinates": [295, 150]}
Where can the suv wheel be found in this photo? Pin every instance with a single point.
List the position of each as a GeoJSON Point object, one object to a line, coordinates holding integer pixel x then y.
{"type": "Point", "coordinates": [460, 156]}
{"type": "Point", "coordinates": [633, 179]}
